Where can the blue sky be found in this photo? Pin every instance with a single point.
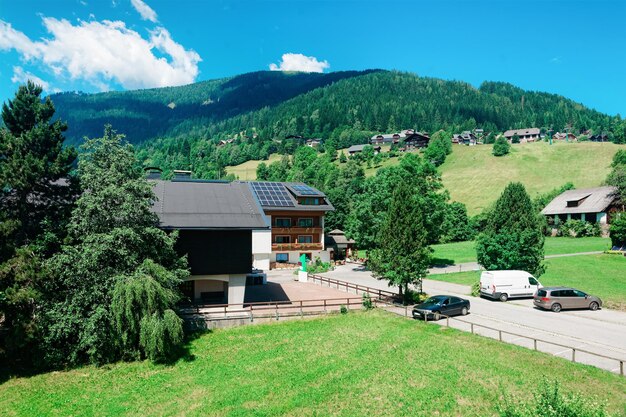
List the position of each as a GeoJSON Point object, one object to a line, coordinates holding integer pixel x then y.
{"type": "Point", "coordinates": [573, 48]}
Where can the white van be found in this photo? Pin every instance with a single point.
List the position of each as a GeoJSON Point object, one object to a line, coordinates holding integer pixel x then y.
{"type": "Point", "coordinates": [502, 285]}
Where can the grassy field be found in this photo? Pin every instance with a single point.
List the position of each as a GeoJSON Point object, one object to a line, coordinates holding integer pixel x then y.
{"type": "Point", "coordinates": [459, 252]}
{"type": "Point", "coordinates": [476, 178]}
{"type": "Point", "coordinates": [602, 275]}
{"type": "Point", "coordinates": [247, 170]}
{"type": "Point", "coordinates": [367, 363]}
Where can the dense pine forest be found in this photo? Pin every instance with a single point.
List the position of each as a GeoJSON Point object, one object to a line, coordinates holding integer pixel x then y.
{"type": "Point", "coordinates": [180, 127]}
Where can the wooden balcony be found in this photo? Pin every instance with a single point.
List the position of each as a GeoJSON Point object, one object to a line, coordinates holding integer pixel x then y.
{"type": "Point", "coordinates": [296, 230]}
{"type": "Point", "coordinates": [295, 246]}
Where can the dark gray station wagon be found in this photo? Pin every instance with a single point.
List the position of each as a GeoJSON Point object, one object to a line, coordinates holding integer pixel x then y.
{"type": "Point", "coordinates": [559, 298]}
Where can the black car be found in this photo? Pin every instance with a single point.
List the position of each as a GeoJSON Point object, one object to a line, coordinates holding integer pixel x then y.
{"type": "Point", "coordinates": [441, 305]}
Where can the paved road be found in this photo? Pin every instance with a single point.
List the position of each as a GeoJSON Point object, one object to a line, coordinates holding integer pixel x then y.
{"type": "Point", "coordinates": [602, 331]}
{"type": "Point", "coordinates": [473, 266]}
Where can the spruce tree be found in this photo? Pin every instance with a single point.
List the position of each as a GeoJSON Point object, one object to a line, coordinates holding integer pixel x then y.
{"type": "Point", "coordinates": [512, 238]}
{"type": "Point", "coordinates": [402, 254]}
{"type": "Point", "coordinates": [36, 195]}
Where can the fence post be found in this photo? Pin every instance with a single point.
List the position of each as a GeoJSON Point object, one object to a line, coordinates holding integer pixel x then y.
{"type": "Point", "coordinates": [573, 354]}
{"type": "Point", "coordinates": [500, 335]}
{"type": "Point", "coordinates": [276, 311]}
{"type": "Point", "coordinates": [348, 303]}
{"type": "Point", "coordinates": [472, 328]}
{"type": "Point", "coordinates": [621, 368]}
{"type": "Point", "coordinates": [301, 312]}
{"type": "Point", "coordinates": [447, 321]}
{"type": "Point", "coordinates": [406, 311]}
{"type": "Point", "coordinates": [535, 343]}
{"type": "Point", "coordinates": [324, 305]}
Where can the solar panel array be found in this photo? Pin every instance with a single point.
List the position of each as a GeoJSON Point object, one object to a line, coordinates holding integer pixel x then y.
{"type": "Point", "coordinates": [272, 194]}
{"type": "Point", "coordinates": [305, 190]}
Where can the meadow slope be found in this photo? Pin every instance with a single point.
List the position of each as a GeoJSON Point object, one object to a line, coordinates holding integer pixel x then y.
{"type": "Point", "coordinates": [367, 363]}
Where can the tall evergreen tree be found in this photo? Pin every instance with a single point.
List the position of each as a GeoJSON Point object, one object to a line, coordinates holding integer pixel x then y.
{"type": "Point", "coordinates": [402, 254]}
{"type": "Point", "coordinates": [513, 237]}
{"type": "Point", "coordinates": [36, 196]}
{"type": "Point", "coordinates": [115, 253]}
{"type": "Point", "coordinates": [32, 163]}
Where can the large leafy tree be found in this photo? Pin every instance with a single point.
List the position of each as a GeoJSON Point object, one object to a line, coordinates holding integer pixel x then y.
{"type": "Point", "coordinates": [513, 237]}
{"type": "Point", "coordinates": [118, 269]}
{"type": "Point", "coordinates": [617, 176]}
{"type": "Point", "coordinates": [36, 194]}
{"type": "Point", "coordinates": [402, 254]}
{"type": "Point", "coordinates": [368, 212]}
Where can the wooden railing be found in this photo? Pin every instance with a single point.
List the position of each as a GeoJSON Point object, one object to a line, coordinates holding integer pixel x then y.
{"type": "Point", "coordinates": [296, 230]}
{"type": "Point", "coordinates": [358, 289]}
{"type": "Point", "coordinates": [535, 340]}
{"type": "Point", "coordinates": [273, 309]}
{"type": "Point", "coordinates": [296, 246]}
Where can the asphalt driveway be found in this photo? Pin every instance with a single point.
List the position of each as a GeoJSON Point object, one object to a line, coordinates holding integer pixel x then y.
{"type": "Point", "coordinates": [602, 331]}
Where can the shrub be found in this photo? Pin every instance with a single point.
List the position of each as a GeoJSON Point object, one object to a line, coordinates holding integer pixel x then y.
{"type": "Point", "coordinates": [475, 289]}
{"type": "Point", "coordinates": [343, 309]}
{"type": "Point", "coordinates": [367, 302]}
{"type": "Point", "coordinates": [501, 147]}
{"type": "Point", "coordinates": [580, 228]}
{"type": "Point", "coordinates": [549, 401]}
{"type": "Point", "coordinates": [318, 267]}
{"type": "Point", "coordinates": [618, 230]}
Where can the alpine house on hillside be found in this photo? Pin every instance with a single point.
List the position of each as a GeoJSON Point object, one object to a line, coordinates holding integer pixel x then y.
{"type": "Point", "coordinates": [296, 213]}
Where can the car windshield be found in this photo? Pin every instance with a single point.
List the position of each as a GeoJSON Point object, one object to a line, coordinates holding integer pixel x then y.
{"type": "Point", "coordinates": [434, 300]}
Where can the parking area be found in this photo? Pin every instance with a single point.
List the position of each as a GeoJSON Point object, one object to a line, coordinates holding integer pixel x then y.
{"type": "Point", "coordinates": [282, 286]}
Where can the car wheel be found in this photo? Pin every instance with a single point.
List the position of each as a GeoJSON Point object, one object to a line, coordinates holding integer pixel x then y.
{"type": "Point", "coordinates": [436, 315]}
{"type": "Point", "coordinates": [504, 297]}
{"type": "Point", "coordinates": [593, 306]}
{"type": "Point", "coordinates": [556, 307]}
{"type": "Point", "coordinates": [464, 311]}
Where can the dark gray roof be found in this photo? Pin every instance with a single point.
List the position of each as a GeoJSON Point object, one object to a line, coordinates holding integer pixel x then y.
{"type": "Point", "coordinates": [592, 200]}
{"type": "Point", "coordinates": [521, 132]}
{"type": "Point", "coordinates": [359, 148]}
{"type": "Point", "coordinates": [207, 205]}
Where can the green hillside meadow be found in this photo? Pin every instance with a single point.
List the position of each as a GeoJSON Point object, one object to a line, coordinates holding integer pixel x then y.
{"type": "Point", "coordinates": [475, 177]}
{"type": "Point", "coordinates": [366, 363]}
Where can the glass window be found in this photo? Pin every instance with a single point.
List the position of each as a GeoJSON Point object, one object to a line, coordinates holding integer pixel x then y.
{"type": "Point", "coordinates": [542, 293]}
{"type": "Point", "coordinates": [532, 281]}
{"type": "Point", "coordinates": [568, 293]}
{"type": "Point", "coordinates": [556, 293]}
{"type": "Point", "coordinates": [580, 293]}
{"type": "Point", "coordinates": [282, 239]}
{"type": "Point", "coordinates": [310, 201]}
{"type": "Point", "coordinates": [305, 239]}
{"type": "Point", "coordinates": [282, 258]}
{"type": "Point", "coordinates": [283, 222]}
{"type": "Point", "coordinates": [306, 222]}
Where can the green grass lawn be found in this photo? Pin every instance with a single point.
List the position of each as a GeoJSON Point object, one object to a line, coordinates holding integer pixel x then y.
{"type": "Point", "coordinates": [247, 170]}
{"type": "Point", "coordinates": [460, 252]}
{"type": "Point", "coordinates": [602, 275]}
{"type": "Point", "coordinates": [475, 177]}
{"type": "Point", "coordinates": [367, 363]}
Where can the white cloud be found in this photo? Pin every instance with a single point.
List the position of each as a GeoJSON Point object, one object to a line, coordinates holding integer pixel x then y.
{"type": "Point", "coordinates": [144, 10]}
{"type": "Point", "coordinates": [104, 52]}
{"type": "Point", "coordinates": [20, 76]}
{"type": "Point", "coordinates": [299, 62]}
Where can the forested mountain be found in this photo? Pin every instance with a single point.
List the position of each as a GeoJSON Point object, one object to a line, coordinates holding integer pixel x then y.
{"type": "Point", "coordinates": [146, 114]}
{"type": "Point", "coordinates": [179, 127]}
